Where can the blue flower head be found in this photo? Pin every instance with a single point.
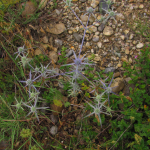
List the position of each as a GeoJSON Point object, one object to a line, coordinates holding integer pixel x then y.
{"type": "Point", "coordinates": [79, 64]}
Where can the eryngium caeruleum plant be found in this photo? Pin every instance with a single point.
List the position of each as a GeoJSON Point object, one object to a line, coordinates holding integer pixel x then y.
{"type": "Point", "coordinates": [77, 68]}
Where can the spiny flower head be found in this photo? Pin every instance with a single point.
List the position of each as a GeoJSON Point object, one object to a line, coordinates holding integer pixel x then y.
{"type": "Point", "coordinates": [18, 105]}
{"type": "Point", "coordinates": [98, 110]}
{"type": "Point", "coordinates": [111, 14]}
{"type": "Point", "coordinates": [109, 2]}
{"type": "Point", "coordinates": [108, 89]}
{"type": "Point", "coordinates": [68, 3]}
{"type": "Point", "coordinates": [74, 88]}
{"type": "Point", "coordinates": [24, 60]}
{"type": "Point", "coordinates": [90, 11]}
{"type": "Point", "coordinates": [34, 94]}
{"type": "Point", "coordinates": [99, 97]}
{"type": "Point", "coordinates": [109, 110]}
{"type": "Point", "coordinates": [29, 82]}
{"type": "Point", "coordinates": [34, 108]}
{"type": "Point", "coordinates": [78, 63]}
{"type": "Point", "coordinates": [20, 51]}
{"type": "Point", "coordinates": [45, 71]}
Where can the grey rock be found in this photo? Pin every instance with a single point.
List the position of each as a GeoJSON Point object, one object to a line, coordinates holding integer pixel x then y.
{"type": "Point", "coordinates": [57, 11]}
{"type": "Point", "coordinates": [101, 27]}
{"type": "Point", "coordinates": [116, 49]}
{"type": "Point", "coordinates": [110, 69]}
{"type": "Point", "coordinates": [99, 44]}
{"type": "Point", "coordinates": [53, 130]}
{"type": "Point", "coordinates": [58, 42]}
{"type": "Point", "coordinates": [70, 53]}
{"type": "Point", "coordinates": [77, 37]}
{"type": "Point", "coordinates": [140, 45]}
{"type": "Point", "coordinates": [95, 38]}
{"type": "Point", "coordinates": [119, 16]}
{"type": "Point", "coordinates": [117, 54]}
{"type": "Point", "coordinates": [53, 118]}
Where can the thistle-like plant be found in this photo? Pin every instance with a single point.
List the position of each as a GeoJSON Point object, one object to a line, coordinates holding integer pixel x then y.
{"type": "Point", "coordinates": [34, 108]}
{"type": "Point", "coordinates": [68, 3]}
{"type": "Point", "coordinates": [78, 61]}
{"type": "Point", "coordinates": [20, 51]}
{"type": "Point", "coordinates": [29, 82]}
{"type": "Point", "coordinates": [18, 105]}
{"type": "Point", "coordinates": [36, 70]}
{"type": "Point", "coordinates": [78, 65]}
{"type": "Point", "coordinates": [44, 71]}
{"type": "Point", "coordinates": [74, 74]}
{"type": "Point", "coordinates": [33, 95]}
{"type": "Point", "coordinates": [90, 11]}
{"type": "Point", "coordinates": [109, 2]}
{"type": "Point", "coordinates": [24, 60]}
{"type": "Point", "coordinates": [74, 88]}
{"type": "Point", "coordinates": [111, 14]}
{"type": "Point", "coordinates": [98, 110]}
{"type": "Point", "coordinates": [98, 98]}
{"type": "Point", "coordinates": [108, 89]}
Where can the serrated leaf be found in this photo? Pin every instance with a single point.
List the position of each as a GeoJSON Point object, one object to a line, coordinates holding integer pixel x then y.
{"type": "Point", "coordinates": [67, 104]}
